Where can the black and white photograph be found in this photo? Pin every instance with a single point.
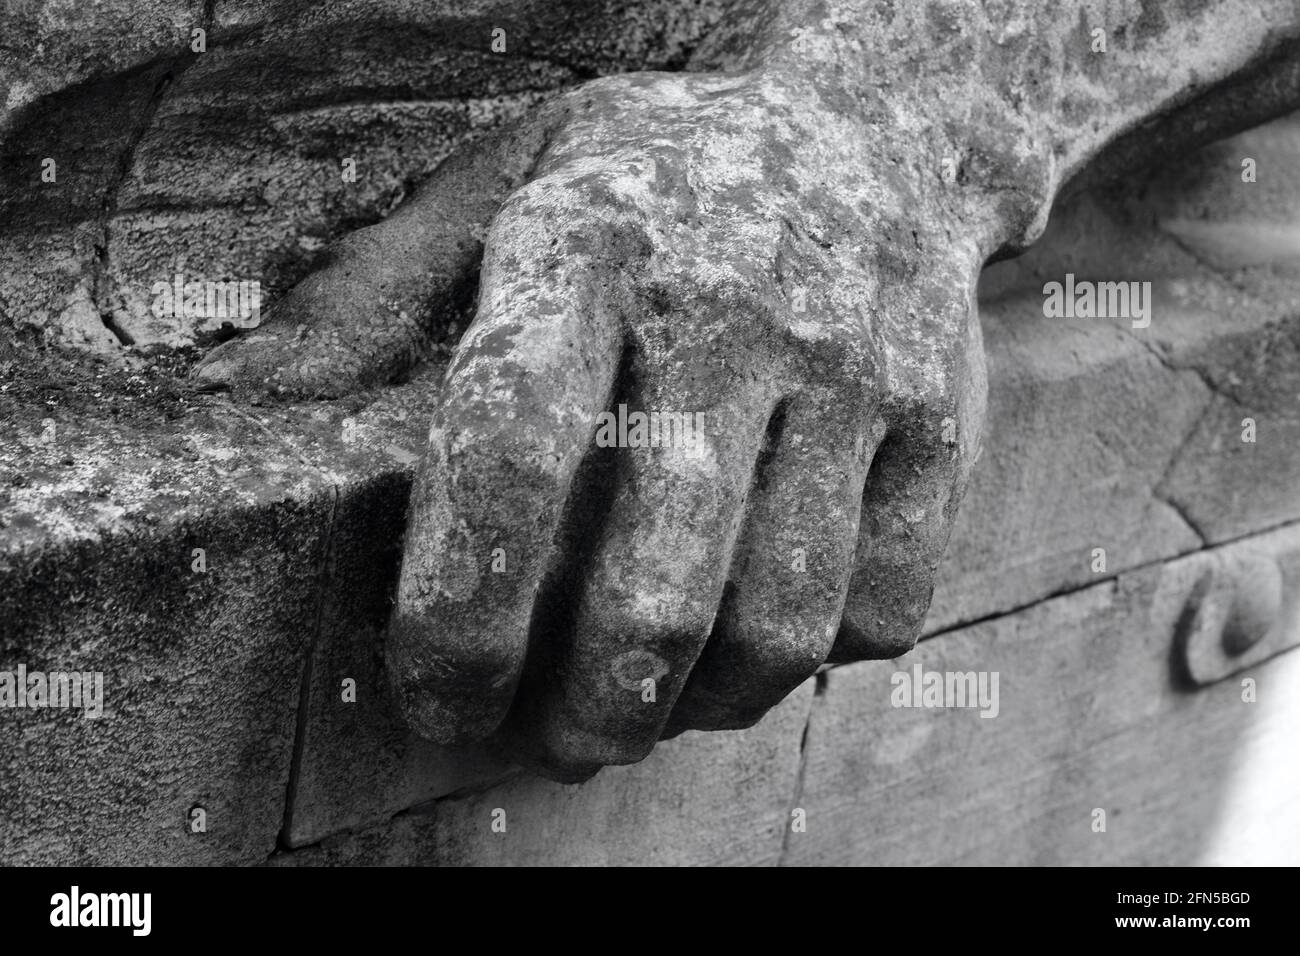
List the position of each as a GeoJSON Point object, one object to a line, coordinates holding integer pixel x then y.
{"type": "Point", "coordinates": [597, 433]}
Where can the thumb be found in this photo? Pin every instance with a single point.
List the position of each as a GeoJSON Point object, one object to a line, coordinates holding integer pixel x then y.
{"type": "Point", "coordinates": [386, 293]}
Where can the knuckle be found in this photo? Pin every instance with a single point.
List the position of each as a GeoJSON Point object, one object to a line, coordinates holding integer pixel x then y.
{"type": "Point", "coordinates": [668, 628]}
{"type": "Point", "coordinates": [582, 212]}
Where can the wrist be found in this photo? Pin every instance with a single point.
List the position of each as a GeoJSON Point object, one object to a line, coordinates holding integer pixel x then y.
{"type": "Point", "coordinates": [1000, 104]}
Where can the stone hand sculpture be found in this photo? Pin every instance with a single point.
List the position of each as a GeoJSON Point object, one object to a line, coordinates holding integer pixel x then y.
{"type": "Point", "coordinates": [783, 253]}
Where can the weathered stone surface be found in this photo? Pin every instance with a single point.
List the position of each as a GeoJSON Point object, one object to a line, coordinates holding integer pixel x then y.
{"type": "Point", "coordinates": [1074, 452]}
{"type": "Point", "coordinates": [1137, 442]}
{"type": "Point", "coordinates": [200, 677]}
{"type": "Point", "coordinates": [715, 798]}
{"type": "Point", "coordinates": [52, 45]}
{"type": "Point", "coordinates": [100, 514]}
{"type": "Point", "coordinates": [358, 762]}
{"type": "Point", "coordinates": [735, 246]}
{"type": "Point", "coordinates": [1084, 422]}
{"type": "Point", "coordinates": [365, 478]}
{"type": "Point", "coordinates": [227, 163]}
{"type": "Point", "coordinates": [1094, 712]}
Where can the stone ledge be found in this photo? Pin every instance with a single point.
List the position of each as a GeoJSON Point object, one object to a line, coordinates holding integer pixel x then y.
{"type": "Point", "coordinates": [1090, 711]}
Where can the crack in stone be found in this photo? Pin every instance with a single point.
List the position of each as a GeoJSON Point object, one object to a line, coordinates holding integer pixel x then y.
{"type": "Point", "coordinates": [324, 579]}
{"type": "Point", "coordinates": [101, 280]}
{"type": "Point", "coordinates": [819, 690]}
{"type": "Point", "coordinates": [1196, 370]}
{"type": "Point", "coordinates": [1109, 578]}
{"type": "Point", "coordinates": [1158, 491]}
{"type": "Point", "coordinates": [425, 808]}
{"type": "Point", "coordinates": [1230, 278]}
{"type": "Point", "coordinates": [1182, 514]}
{"type": "Point", "coordinates": [324, 576]}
